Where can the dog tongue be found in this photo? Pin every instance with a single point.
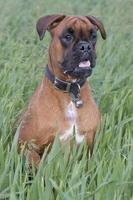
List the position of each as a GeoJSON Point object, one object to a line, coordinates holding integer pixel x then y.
{"type": "Point", "coordinates": [85, 64]}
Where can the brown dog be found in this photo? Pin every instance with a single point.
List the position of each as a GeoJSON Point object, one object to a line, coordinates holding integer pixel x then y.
{"type": "Point", "coordinates": [63, 99]}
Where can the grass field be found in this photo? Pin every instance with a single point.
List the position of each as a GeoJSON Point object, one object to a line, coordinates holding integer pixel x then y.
{"type": "Point", "coordinates": [108, 174]}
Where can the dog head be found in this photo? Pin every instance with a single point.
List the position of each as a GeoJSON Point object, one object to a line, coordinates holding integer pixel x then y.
{"type": "Point", "coordinates": [72, 49]}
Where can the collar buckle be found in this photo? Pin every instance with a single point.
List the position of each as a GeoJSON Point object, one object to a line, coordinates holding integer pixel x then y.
{"type": "Point", "coordinates": [55, 83]}
{"type": "Point", "coordinates": [63, 85]}
{"type": "Point", "coordinates": [68, 87]}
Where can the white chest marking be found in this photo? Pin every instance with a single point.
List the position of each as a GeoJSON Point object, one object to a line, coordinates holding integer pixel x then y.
{"type": "Point", "coordinates": [79, 137]}
{"type": "Point", "coordinates": [67, 134]}
{"type": "Point", "coordinates": [71, 115]}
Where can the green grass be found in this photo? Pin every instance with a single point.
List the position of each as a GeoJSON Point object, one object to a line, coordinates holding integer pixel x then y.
{"type": "Point", "coordinates": [108, 174]}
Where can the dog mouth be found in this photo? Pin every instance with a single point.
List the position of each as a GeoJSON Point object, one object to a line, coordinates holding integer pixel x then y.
{"type": "Point", "coordinates": [81, 70]}
{"type": "Point", "coordinates": [85, 64]}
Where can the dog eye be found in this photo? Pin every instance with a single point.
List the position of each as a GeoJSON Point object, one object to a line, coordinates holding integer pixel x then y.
{"type": "Point", "coordinates": [68, 37]}
{"type": "Point", "coordinates": [93, 36]}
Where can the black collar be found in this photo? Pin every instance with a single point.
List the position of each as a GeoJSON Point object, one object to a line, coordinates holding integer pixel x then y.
{"type": "Point", "coordinates": [73, 88]}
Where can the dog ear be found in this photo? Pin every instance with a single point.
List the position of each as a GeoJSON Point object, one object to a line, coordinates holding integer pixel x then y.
{"type": "Point", "coordinates": [46, 23]}
{"type": "Point", "coordinates": [99, 25]}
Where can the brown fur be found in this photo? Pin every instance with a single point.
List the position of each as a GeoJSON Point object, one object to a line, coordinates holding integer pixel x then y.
{"type": "Point", "coordinates": [46, 114]}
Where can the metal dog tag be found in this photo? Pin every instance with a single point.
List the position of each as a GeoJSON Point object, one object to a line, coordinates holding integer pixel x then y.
{"type": "Point", "coordinates": [79, 103]}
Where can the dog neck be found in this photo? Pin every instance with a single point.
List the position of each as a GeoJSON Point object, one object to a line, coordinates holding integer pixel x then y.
{"type": "Point", "coordinates": [73, 87]}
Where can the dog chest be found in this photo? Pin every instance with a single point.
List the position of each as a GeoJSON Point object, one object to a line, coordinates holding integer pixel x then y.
{"type": "Point", "coordinates": [71, 115]}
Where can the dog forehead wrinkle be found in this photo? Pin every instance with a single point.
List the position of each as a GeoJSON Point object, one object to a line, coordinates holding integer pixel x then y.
{"type": "Point", "coordinates": [81, 28]}
{"type": "Point", "coordinates": [70, 18]}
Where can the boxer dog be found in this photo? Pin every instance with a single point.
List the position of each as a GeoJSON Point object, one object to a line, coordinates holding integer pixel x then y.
{"type": "Point", "coordinates": [63, 100]}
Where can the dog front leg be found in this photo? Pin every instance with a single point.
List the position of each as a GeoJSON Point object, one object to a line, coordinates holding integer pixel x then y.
{"type": "Point", "coordinates": [33, 158]}
{"type": "Point", "coordinates": [90, 141]}
{"type": "Point", "coordinates": [87, 137]}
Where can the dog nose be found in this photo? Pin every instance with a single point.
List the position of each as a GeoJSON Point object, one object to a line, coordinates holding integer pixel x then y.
{"type": "Point", "coordinates": [84, 46]}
